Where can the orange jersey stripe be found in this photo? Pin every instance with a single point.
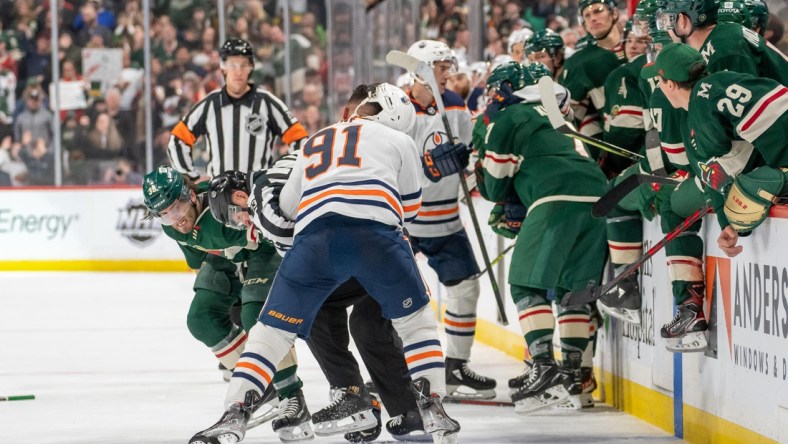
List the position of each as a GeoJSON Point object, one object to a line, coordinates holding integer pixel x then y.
{"type": "Point", "coordinates": [439, 212]}
{"type": "Point", "coordinates": [255, 368]}
{"type": "Point", "coordinates": [430, 354]}
{"type": "Point", "coordinates": [394, 204]}
{"type": "Point", "coordinates": [411, 208]}
{"type": "Point", "coordinates": [295, 132]}
{"type": "Point", "coordinates": [181, 131]}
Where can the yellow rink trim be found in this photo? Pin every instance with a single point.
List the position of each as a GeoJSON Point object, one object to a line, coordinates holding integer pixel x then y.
{"type": "Point", "coordinates": [642, 402]}
{"type": "Point", "coordinates": [702, 427]}
{"type": "Point", "coordinates": [96, 265]}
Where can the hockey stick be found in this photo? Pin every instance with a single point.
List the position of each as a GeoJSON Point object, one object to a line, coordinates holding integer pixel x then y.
{"type": "Point", "coordinates": [18, 398]}
{"type": "Point", "coordinates": [496, 260]}
{"type": "Point", "coordinates": [412, 64]}
{"type": "Point", "coordinates": [550, 104]}
{"type": "Point", "coordinates": [485, 402]}
{"type": "Point", "coordinates": [591, 294]}
{"type": "Point", "coordinates": [606, 203]}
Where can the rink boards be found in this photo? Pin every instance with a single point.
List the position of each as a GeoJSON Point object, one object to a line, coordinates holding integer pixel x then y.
{"type": "Point", "coordinates": [735, 392]}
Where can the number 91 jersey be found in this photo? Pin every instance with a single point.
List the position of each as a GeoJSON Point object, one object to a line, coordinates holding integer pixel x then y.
{"type": "Point", "coordinates": [440, 213]}
{"type": "Point", "coordinates": [360, 169]}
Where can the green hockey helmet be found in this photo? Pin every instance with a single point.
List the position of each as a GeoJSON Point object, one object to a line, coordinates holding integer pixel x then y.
{"type": "Point", "coordinates": [510, 72]}
{"type": "Point", "coordinates": [535, 71]}
{"type": "Point", "coordinates": [646, 14]}
{"type": "Point", "coordinates": [165, 194]}
{"type": "Point", "coordinates": [700, 13]}
{"type": "Point", "coordinates": [759, 15]}
{"type": "Point", "coordinates": [546, 40]}
{"type": "Point", "coordinates": [734, 12]}
{"type": "Point", "coordinates": [612, 4]}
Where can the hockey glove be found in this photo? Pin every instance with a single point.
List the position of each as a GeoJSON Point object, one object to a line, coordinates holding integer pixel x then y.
{"type": "Point", "coordinates": [500, 98]}
{"type": "Point", "coordinates": [445, 159]}
{"type": "Point", "coordinates": [498, 223]}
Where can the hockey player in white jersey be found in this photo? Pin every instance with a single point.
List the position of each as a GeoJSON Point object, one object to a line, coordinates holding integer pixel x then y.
{"type": "Point", "coordinates": [438, 232]}
{"type": "Point", "coordinates": [359, 184]}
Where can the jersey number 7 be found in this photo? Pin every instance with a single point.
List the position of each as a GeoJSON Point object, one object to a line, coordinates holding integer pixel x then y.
{"type": "Point", "coordinates": [322, 144]}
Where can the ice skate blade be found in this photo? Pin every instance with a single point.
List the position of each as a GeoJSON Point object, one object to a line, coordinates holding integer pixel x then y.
{"type": "Point", "coordinates": [227, 438]}
{"type": "Point", "coordinates": [460, 392]}
{"type": "Point", "coordinates": [444, 438]}
{"type": "Point", "coordinates": [301, 432]}
{"type": "Point", "coordinates": [689, 343]}
{"type": "Point", "coordinates": [552, 396]}
{"type": "Point", "coordinates": [261, 416]}
{"type": "Point", "coordinates": [414, 436]}
{"type": "Point", "coordinates": [623, 314]}
{"type": "Point", "coordinates": [576, 402]}
{"type": "Point", "coordinates": [354, 423]}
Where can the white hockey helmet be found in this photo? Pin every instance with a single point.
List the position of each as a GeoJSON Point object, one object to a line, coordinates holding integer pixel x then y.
{"type": "Point", "coordinates": [519, 36]}
{"type": "Point", "coordinates": [397, 110]}
{"type": "Point", "coordinates": [432, 51]}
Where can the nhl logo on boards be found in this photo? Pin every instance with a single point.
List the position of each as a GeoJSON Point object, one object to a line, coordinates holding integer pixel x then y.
{"type": "Point", "coordinates": [254, 124]}
{"type": "Point", "coordinates": [135, 226]}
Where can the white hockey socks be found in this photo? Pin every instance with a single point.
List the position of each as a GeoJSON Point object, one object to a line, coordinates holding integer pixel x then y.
{"type": "Point", "coordinates": [460, 318]}
{"type": "Point", "coordinates": [254, 370]}
{"type": "Point", "coordinates": [230, 348]}
{"type": "Point", "coordinates": [423, 354]}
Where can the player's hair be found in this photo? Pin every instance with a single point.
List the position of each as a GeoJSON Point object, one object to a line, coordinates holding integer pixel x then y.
{"type": "Point", "coordinates": [360, 93]}
{"type": "Point", "coordinates": [696, 72]}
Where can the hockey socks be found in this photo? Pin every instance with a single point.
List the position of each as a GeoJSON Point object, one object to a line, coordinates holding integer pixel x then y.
{"type": "Point", "coordinates": [536, 320]}
{"type": "Point", "coordinates": [460, 318]}
{"type": "Point", "coordinates": [422, 349]}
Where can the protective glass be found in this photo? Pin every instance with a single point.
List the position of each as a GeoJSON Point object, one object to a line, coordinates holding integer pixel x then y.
{"type": "Point", "coordinates": [666, 21]}
{"type": "Point", "coordinates": [175, 212]}
{"type": "Point", "coordinates": [236, 217]}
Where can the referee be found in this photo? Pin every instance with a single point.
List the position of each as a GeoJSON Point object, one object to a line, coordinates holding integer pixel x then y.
{"type": "Point", "coordinates": [239, 121]}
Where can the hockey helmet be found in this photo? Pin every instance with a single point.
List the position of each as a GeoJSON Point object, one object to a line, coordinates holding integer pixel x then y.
{"type": "Point", "coordinates": [511, 72]}
{"type": "Point", "coordinates": [759, 15]}
{"type": "Point", "coordinates": [734, 12]}
{"type": "Point", "coordinates": [611, 4]}
{"type": "Point", "coordinates": [700, 13]}
{"type": "Point", "coordinates": [519, 36]}
{"type": "Point", "coordinates": [165, 194]}
{"type": "Point", "coordinates": [397, 111]}
{"type": "Point", "coordinates": [236, 47]}
{"type": "Point", "coordinates": [546, 40]}
{"type": "Point", "coordinates": [220, 193]}
{"type": "Point", "coordinates": [433, 51]}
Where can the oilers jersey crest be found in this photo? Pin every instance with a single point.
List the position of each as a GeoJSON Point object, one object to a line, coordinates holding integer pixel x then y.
{"type": "Point", "coordinates": [440, 211]}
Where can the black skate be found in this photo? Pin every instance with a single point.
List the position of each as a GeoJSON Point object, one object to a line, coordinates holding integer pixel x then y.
{"type": "Point", "coordinates": [436, 422]}
{"type": "Point", "coordinates": [351, 411]}
{"type": "Point", "coordinates": [292, 424]}
{"type": "Point", "coordinates": [464, 383]}
{"type": "Point", "coordinates": [581, 384]}
{"type": "Point", "coordinates": [368, 434]}
{"type": "Point", "coordinates": [546, 386]}
{"type": "Point", "coordinates": [623, 301]}
{"type": "Point", "coordinates": [266, 410]}
{"type": "Point", "coordinates": [519, 381]}
{"type": "Point", "coordinates": [231, 428]}
{"type": "Point", "coordinates": [687, 331]}
{"type": "Point", "coordinates": [408, 427]}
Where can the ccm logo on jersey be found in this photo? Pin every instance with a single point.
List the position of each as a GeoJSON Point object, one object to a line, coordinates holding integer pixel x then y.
{"type": "Point", "coordinates": [285, 318]}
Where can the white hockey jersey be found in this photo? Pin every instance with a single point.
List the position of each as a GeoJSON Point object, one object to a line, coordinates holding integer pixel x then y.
{"type": "Point", "coordinates": [360, 169]}
{"type": "Point", "coordinates": [440, 211]}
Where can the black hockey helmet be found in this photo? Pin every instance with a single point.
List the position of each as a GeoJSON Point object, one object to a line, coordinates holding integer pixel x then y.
{"type": "Point", "coordinates": [236, 47]}
{"type": "Point", "coordinates": [220, 192]}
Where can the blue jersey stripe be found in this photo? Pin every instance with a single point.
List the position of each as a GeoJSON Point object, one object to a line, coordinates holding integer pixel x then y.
{"type": "Point", "coordinates": [353, 184]}
{"type": "Point", "coordinates": [367, 202]}
{"type": "Point", "coordinates": [435, 222]}
{"type": "Point", "coordinates": [421, 344]}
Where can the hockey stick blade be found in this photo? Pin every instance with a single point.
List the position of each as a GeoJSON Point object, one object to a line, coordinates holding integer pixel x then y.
{"type": "Point", "coordinates": [550, 104]}
{"type": "Point", "coordinates": [608, 202]}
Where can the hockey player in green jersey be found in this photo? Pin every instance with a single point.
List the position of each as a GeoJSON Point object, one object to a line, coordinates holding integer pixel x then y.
{"type": "Point", "coordinates": [737, 130]}
{"type": "Point", "coordinates": [565, 246]}
{"type": "Point", "coordinates": [585, 72]}
{"type": "Point", "coordinates": [217, 252]}
{"type": "Point", "coordinates": [547, 47]}
{"type": "Point", "coordinates": [724, 46]}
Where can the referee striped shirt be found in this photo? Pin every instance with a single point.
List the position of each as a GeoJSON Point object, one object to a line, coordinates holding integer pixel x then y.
{"type": "Point", "coordinates": [240, 133]}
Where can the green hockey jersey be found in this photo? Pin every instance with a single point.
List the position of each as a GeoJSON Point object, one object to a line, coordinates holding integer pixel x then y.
{"type": "Point", "coordinates": [731, 47]}
{"type": "Point", "coordinates": [624, 104]}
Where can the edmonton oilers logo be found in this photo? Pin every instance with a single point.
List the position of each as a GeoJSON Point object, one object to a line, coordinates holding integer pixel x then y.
{"type": "Point", "coordinates": [433, 140]}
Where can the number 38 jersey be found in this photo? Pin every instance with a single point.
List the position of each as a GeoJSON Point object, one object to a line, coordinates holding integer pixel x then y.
{"type": "Point", "coordinates": [360, 169]}
{"type": "Point", "coordinates": [440, 212]}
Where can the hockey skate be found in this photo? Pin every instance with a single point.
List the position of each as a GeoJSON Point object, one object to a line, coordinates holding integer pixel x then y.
{"type": "Point", "coordinates": [580, 391]}
{"type": "Point", "coordinates": [436, 422]}
{"type": "Point", "coordinates": [519, 381]}
{"type": "Point", "coordinates": [231, 428]}
{"type": "Point", "coordinates": [292, 424]}
{"type": "Point", "coordinates": [545, 387]}
{"type": "Point", "coordinates": [267, 410]}
{"type": "Point", "coordinates": [464, 383]}
{"type": "Point", "coordinates": [351, 411]}
{"type": "Point", "coordinates": [408, 427]}
{"type": "Point", "coordinates": [368, 434]}
{"type": "Point", "coordinates": [623, 301]}
{"type": "Point", "coordinates": [687, 331]}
